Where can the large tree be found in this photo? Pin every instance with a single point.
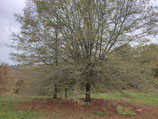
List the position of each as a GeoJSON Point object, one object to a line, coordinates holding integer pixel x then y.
{"type": "Point", "coordinates": [88, 29]}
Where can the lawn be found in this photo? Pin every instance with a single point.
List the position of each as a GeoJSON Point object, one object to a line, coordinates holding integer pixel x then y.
{"type": "Point", "coordinates": [15, 107]}
{"type": "Point", "coordinates": [8, 111]}
{"type": "Point", "coordinates": [140, 97]}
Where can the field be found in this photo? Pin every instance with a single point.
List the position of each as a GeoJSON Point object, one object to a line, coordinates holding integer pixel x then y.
{"type": "Point", "coordinates": [126, 105]}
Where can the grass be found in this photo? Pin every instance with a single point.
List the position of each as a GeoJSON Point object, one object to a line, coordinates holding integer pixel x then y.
{"type": "Point", "coordinates": [7, 110]}
{"type": "Point", "coordinates": [125, 111]}
{"type": "Point", "coordinates": [140, 97]}
{"type": "Point", "coordinates": [107, 95]}
{"type": "Point", "coordinates": [102, 114]}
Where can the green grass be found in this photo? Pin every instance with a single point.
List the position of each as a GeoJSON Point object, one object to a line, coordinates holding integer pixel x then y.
{"type": "Point", "coordinates": [140, 97]}
{"type": "Point", "coordinates": [148, 98]}
{"type": "Point", "coordinates": [107, 95]}
{"type": "Point", "coordinates": [125, 111]}
{"type": "Point", "coordinates": [7, 110]}
{"type": "Point", "coordinates": [8, 103]}
{"type": "Point", "coordinates": [102, 114]}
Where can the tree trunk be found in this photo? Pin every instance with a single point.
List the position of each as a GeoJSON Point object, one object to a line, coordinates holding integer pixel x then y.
{"type": "Point", "coordinates": [87, 98]}
{"type": "Point", "coordinates": [66, 92]}
{"type": "Point", "coordinates": [55, 91]}
{"type": "Point", "coordinates": [56, 60]}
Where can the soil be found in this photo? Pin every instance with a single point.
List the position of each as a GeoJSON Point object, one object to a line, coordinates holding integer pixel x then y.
{"type": "Point", "coordinates": [78, 109]}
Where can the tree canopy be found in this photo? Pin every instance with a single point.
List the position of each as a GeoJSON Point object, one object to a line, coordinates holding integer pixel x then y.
{"type": "Point", "coordinates": [81, 32]}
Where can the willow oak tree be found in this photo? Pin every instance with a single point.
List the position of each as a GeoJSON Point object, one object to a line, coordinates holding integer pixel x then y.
{"type": "Point", "coordinates": [90, 29]}
{"type": "Point", "coordinates": [37, 43]}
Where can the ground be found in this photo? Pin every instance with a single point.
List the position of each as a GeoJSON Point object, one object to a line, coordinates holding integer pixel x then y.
{"type": "Point", "coordinates": [129, 105]}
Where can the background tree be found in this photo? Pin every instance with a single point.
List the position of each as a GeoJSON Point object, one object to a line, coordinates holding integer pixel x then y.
{"type": "Point", "coordinates": [147, 58]}
{"type": "Point", "coordinates": [37, 42]}
{"type": "Point", "coordinates": [4, 78]}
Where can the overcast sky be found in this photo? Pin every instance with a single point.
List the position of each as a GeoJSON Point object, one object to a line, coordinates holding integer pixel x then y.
{"type": "Point", "coordinates": [7, 23]}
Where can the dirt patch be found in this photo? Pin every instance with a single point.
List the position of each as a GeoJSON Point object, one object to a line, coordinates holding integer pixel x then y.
{"type": "Point", "coordinates": [78, 109]}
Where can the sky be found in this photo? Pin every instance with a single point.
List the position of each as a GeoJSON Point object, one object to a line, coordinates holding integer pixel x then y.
{"type": "Point", "coordinates": [8, 24]}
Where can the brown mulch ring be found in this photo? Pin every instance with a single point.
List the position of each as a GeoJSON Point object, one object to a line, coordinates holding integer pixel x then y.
{"type": "Point", "coordinates": [78, 109]}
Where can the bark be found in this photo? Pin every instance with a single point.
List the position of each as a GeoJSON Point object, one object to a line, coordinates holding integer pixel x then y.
{"type": "Point", "coordinates": [55, 91]}
{"type": "Point", "coordinates": [56, 61]}
{"type": "Point", "coordinates": [66, 92]}
{"type": "Point", "coordinates": [56, 46]}
{"type": "Point", "coordinates": [87, 98]}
